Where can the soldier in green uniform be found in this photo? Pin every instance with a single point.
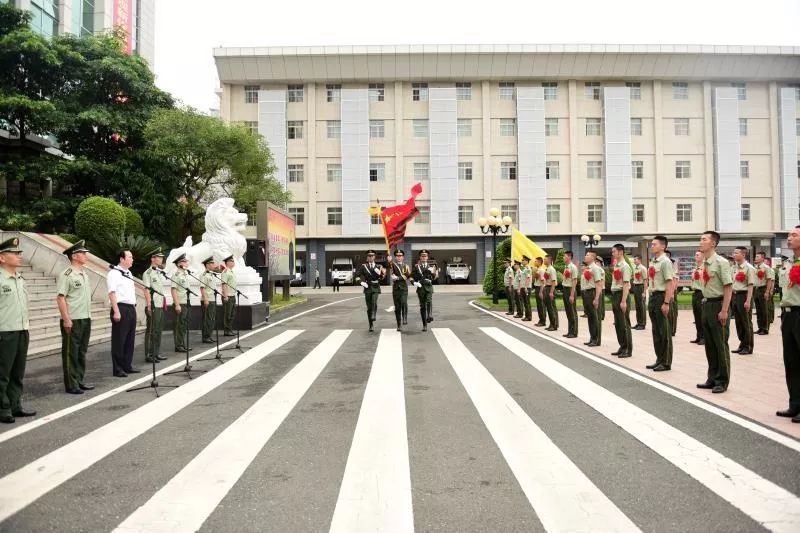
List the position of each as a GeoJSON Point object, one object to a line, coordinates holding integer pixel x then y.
{"type": "Point", "coordinates": [639, 289]}
{"type": "Point", "coordinates": [673, 306]}
{"type": "Point", "coordinates": [697, 297]}
{"type": "Point", "coordinates": [180, 299]}
{"type": "Point", "coordinates": [508, 283]}
{"type": "Point", "coordinates": [790, 325]}
{"type": "Point", "coordinates": [526, 282]}
{"type": "Point", "coordinates": [370, 275]}
{"type": "Point", "coordinates": [154, 309]}
{"type": "Point", "coordinates": [14, 335]}
{"type": "Point", "coordinates": [537, 273]}
{"type": "Point", "coordinates": [717, 292]}
{"type": "Point", "coordinates": [662, 293]}
{"type": "Point", "coordinates": [763, 288]}
{"type": "Point", "coordinates": [517, 284]}
{"type": "Point", "coordinates": [208, 300]}
{"type": "Point", "coordinates": [601, 311]}
{"type": "Point", "coordinates": [592, 286]}
{"type": "Point", "coordinates": [549, 282]}
{"type": "Point", "coordinates": [401, 273]}
{"type": "Point", "coordinates": [569, 284]}
{"type": "Point", "coordinates": [228, 280]}
{"type": "Point", "coordinates": [74, 301]}
{"type": "Point", "coordinates": [424, 274]}
{"type": "Point", "coordinates": [620, 301]}
{"type": "Point", "coordinates": [744, 275]}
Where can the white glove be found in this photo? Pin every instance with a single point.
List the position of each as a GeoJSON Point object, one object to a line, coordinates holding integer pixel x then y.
{"type": "Point", "coordinates": [377, 270]}
{"type": "Point", "coordinates": [364, 284]}
{"type": "Point", "coordinates": [417, 284]}
{"type": "Point", "coordinates": [394, 278]}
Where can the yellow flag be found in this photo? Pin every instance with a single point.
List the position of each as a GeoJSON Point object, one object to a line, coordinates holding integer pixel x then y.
{"type": "Point", "coordinates": [522, 245]}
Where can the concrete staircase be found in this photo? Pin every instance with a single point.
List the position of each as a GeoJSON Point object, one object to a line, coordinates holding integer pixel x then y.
{"type": "Point", "coordinates": [45, 328]}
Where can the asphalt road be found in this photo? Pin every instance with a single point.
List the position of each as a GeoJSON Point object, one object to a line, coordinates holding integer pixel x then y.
{"type": "Point", "coordinates": [475, 425]}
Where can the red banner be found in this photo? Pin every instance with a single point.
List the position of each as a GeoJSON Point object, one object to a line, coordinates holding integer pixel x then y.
{"type": "Point", "coordinates": [396, 217]}
{"type": "Point", "coordinates": [123, 18]}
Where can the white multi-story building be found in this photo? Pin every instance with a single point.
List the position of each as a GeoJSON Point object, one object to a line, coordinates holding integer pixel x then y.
{"type": "Point", "coordinates": [83, 17]}
{"type": "Point", "coordinates": [622, 140]}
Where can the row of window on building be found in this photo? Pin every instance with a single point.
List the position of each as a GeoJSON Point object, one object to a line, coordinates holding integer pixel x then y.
{"type": "Point", "coordinates": [506, 91]}
{"type": "Point", "coordinates": [466, 214]}
{"type": "Point", "coordinates": [295, 172]}
{"type": "Point", "coordinates": [295, 129]}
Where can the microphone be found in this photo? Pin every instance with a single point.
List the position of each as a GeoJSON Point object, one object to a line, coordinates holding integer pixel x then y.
{"type": "Point", "coordinates": [189, 271]}
{"type": "Point", "coordinates": [123, 272]}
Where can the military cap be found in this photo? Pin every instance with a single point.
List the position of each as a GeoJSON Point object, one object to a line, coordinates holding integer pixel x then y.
{"type": "Point", "coordinates": [79, 246]}
{"type": "Point", "coordinates": [11, 245]}
{"type": "Point", "coordinates": [180, 258]}
{"type": "Point", "coordinates": [526, 258]}
{"type": "Point", "coordinates": [399, 252]}
{"type": "Point", "coordinates": [423, 251]}
{"type": "Point", "coordinates": [229, 258]}
{"type": "Point", "coordinates": [157, 253]}
{"type": "Point", "coordinates": [208, 260]}
{"type": "Point", "coordinates": [506, 260]}
{"type": "Point", "coordinates": [370, 252]}
{"type": "Point", "coordinates": [517, 262]}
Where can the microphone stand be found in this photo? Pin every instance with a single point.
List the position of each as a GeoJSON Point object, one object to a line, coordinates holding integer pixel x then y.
{"type": "Point", "coordinates": [154, 382]}
{"type": "Point", "coordinates": [238, 293]}
{"type": "Point", "coordinates": [218, 357]}
{"type": "Point", "coordinates": [187, 368]}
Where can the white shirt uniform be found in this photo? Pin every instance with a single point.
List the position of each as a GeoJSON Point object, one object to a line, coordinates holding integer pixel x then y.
{"type": "Point", "coordinates": [121, 285]}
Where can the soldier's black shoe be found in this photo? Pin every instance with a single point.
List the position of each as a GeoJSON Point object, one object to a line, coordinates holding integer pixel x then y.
{"type": "Point", "coordinates": [796, 419]}
{"type": "Point", "coordinates": [706, 385]}
{"type": "Point", "coordinates": [120, 375]}
{"type": "Point", "coordinates": [208, 341]}
{"type": "Point", "coordinates": [651, 367]}
{"type": "Point", "coordinates": [746, 352]}
{"type": "Point", "coordinates": [737, 350]}
{"type": "Point", "coordinates": [229, 334]}
{"type": "Point", "coordinates": [149, 360]}
{"type": "Point", "coordinates": [701, 342]}
{"type": "Point", "coordinates": [6, 419]}
{"type": "Point", "coordinates": [718, 389]}
{"type": "Point", "coordinates": [694, 341]}
{"type": "Point", "coordinates": [624, 355]}
{"type": "Point", "coordinates": [371, 328]}
{"type": "Point", "coordinates": [661, 368]}
{"type": "Point", "coordinates": [133, 371]}
{"type": "Point", "coordinates": [527, 319]}
{"type": "Point", "coordinates": [430, 319]}
{"type": "Point", "coordinates": [540, 324]}
{"type": "Point", "coordinates": [22, 413]}
{"type": "Point", "coordinates": [83, 386]}
{"type": "Point", "coordinates": [592, 345]}
{"type": "Point", "coordinates": [517, 316]}
{"type": "Point", "coordinates": [398, 328]}
{"type": "Point", "coordinates": [74, 391]}
{"type": "Point", "coordinates": [424, 327]}
{"type": "Point", "coordinates": [788, 413]}
{"type": "Point", "coordinates": [509, 313]}
{"type": "Point", "coordinates": [618, 352]}
{"type": "Point", "coordinates": [160, 357]}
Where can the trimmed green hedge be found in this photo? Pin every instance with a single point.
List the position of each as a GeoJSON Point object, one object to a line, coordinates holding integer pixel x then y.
{"type": "Point", "coordinates": [99, 216]}
{"type": "Point", "coordinates": [69, 237]}
{"type": "Point", "coordinates": [133, 223]}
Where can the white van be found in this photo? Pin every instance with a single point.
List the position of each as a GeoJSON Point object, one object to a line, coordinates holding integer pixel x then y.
{"type": "Point", "coordinates": [343, 270]}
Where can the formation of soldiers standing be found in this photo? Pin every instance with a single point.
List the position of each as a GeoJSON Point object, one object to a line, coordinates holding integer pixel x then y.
{"type": "Point", "coordinates": [74, 303]}
{"type": "Point", "coordinates": [722, 288]}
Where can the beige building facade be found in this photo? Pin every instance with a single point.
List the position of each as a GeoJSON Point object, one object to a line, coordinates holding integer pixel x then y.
{"type": "Point", "coordinates": [627, 141]}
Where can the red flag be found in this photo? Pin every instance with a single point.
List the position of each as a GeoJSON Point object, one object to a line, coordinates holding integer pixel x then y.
{"type": "Point", "coordinates": [396, 217]}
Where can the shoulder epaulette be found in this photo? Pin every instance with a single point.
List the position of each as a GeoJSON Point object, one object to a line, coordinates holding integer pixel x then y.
{"type": "Point", "coordinates": [67, 272]}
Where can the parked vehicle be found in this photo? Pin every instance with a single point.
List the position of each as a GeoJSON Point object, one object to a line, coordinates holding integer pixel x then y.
{"type": "Point", "coordinates": [299, 279]}
{"type": "Point", "coordinates": [342, 269]}
{"type": "Point", "coordinates": [457, 272]}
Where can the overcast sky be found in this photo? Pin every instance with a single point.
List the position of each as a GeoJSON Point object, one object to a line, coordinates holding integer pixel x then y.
{"type": "Point", "coordinates": [188, 30]}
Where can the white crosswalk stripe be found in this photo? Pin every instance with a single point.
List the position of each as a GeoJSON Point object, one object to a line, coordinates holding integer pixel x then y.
{"type": "Point", "coordinates": [21, 488]}
{"type": "Point", "coordinates": [562, 496]}
{"type": "Point", "coordinates": [376, 489]}
{"type": "Point", "coordinates": [772, 506]}
{"type": "Point", "coordinates": [185, 502]}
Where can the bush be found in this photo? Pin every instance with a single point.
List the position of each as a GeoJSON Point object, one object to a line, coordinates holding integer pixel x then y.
{"type": "Point", "coordinates": [503, 250]}
{"type": "Point", "coordinates": [69, 237]}
{"type": "Point", "coordinates": [106, 246]}
{"type": "Point", "coordinates": [99, 216]}
{"type": "Point", "coordinates": [53, 215]}
{"type": "Point", "coordinates": [133, 222]}
{"type": "Point", "coordinates": [13, 220]}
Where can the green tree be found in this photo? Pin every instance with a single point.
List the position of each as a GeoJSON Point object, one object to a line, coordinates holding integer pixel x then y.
{"type": "Point", "coordinates": [496, 265]}
{"type": "Point", "coordinates": [212, 159]}
{"type": "Point", "coordinates": [558, 264]}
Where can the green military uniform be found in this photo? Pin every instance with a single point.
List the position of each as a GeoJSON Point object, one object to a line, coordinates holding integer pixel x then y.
{"type": "Point", "coordinates": [424, 274]}
{"type": "Point", "coordinates": [570, 278]}
{"type": "Point", "coordinates": [716, 276]}
{"type": "Point", "coordinates": [538, 281]}
{"type": "Point", "coordinates": [14, 337]}
{"type": "Point", "coordinates": [601, 311]}
{"type": "Point", "coordinates": [639, 298]}
{"type": "Point", "coordinates": [370, 274]}
{"type": "Point", "coordinates": [790, 333]}
{"type": "Point", "coordinates": [673, 305]}
{"type": "Point", "coordinates": [526, 283]}
{"type": "Point", "coordinates": [517, 285]}
{"type": "Point", "coordinates": [622, 319]}
{"type": "Point", "coordinates": [73, 285]}
{"type": "Point", "coordinates": [697, 303]}
{"type": "Point", "coordinates": [208, 312]}
{"type": "Point", "coordinates": [228, 281]}
{"type": "Point", "coordinates": [401, 274]}
{"type": "Point", "coordinates": [550, 282]}
{"type": "Point", "coordinates": [765, 309]}
{"type": "Point", "coordinates": [508, 283]}
{"type": "Point", "coordinates": [152, 277]}
{"type": "Point", "coordinates": [181, 283]}
{"type": "Point", "coordinates": [744, 275]}
{"type": "Point", "coordinates": [661, 272]}
{"type": "Point", "coordinates": [591, 275]}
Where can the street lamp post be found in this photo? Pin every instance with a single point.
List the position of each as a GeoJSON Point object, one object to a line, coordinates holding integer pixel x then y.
{"type": "Point", "coordinates": [590, 241]}
{"type": "Point", "coordinates": [494, 224]}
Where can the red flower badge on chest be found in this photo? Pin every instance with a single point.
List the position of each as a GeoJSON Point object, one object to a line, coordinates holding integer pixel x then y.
{"type": "Point", "coordinates": [741, 276]}
{"type": "Point", "coordinates": [696, 275]}
{"type": "Point", "coordinates": [587, 275]}
{"type": "Point", "coordinates": [567, 274]}
{"type": "Point", "coordinates": [638, 275]}
{"type": "Point", "coordinates": [761, 274]}
{"type": "Point", "coordinates": [706, 277]}
{"type": "Point", "coordinates": [794, 275]}
{"type": "Point", "coordinates": [546, 275]}
{"type": "Point", "coordinates": [617, 274]}
{"type": "Point", "coordinates": [652, 272]}
{"type": "Point", "coordinates": [535, 275]}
